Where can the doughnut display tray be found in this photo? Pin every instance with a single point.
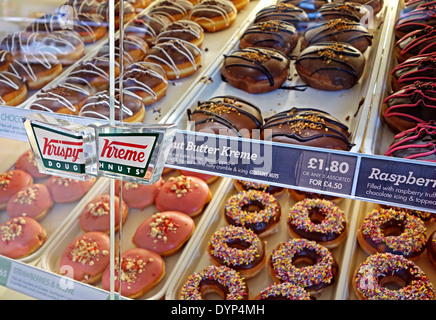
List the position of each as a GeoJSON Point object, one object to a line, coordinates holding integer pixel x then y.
{"type": "Point", "coordinates": [60, 213]}
{"type": "Point", "coordinates": [379, 135]}
{"type": "Point", "coordinates": [357, 255]}
{"type": "Point", "coordinates": [350, 106]}
{"type": "Point", "coordinates": [51, 257]}
{"type": "Point", "coordinates": [197, 258]}
{"type": "Point", "coordinates": [212, 46]}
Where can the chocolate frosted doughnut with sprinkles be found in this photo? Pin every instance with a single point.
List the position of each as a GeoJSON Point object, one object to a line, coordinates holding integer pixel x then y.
{"type": "Point", "coordinates": [431, 248]}
{"type": "Point", "coordinates": [274, 34]}
{"type": "Point", "coordinates": [304, 263]}
{"type": "Point", "coordinates": [218, 279]}
{"type": "Point", "coordinates": [343, 10]}
{"type": "Point", "coordinates": [238, 248]}
{"type": "Point", "coordinates": [86, 257]}
{"type": "Point", "coordinates": [283, 291]}
{"type": "Point", "coordinates": [375, 277]}
{"type": "Point", "coordinates": [393, 231]}
{"type": "Point", "coordinates": [255, 70]}
{"type": "Point", "coordinates": [241, 185]}
{"type": "Point", "coordinates": [284, 12]}
{"type": "Point", "coordinates": [308, 127]}
{"type": "Point", "coordinates": [255, 210]}
{"type": "Point", "coordinates": [214, 15]}
{"type": "Point", "coordinates": [318, 220]}
{"type": "Point", "coordinates": [178, 58]}
{"type": "Point", "coordinates": [330, 66]}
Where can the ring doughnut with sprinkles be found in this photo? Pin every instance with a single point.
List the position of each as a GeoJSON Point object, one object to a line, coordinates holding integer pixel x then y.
{"type": "Point", "coordinates": [283, 291]}
{"type": "Point", "coordinates": [304, 263]}
{"type": "Point", "coordinates": [318, 220]}
{"type": "Point", "coordinates": [394, 231]}
{"type": "Point", "coordinates": [255, 210]}
{"type": "Point", "coordinates": [238, 248]}
{"type": "Point", "coordinates": [378, 271]}
{"type": "Point", "coordinates": [219, 279]}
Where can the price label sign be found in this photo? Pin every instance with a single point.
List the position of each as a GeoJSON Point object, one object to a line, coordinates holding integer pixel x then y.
{"type": "Point", "coordinates": [329, 172]}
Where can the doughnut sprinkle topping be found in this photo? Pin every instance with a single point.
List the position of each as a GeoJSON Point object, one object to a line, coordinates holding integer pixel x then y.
{"type": "Point", "coordinates": [12, 229]}
{"type": "Point", "coordinates": [86, 251]}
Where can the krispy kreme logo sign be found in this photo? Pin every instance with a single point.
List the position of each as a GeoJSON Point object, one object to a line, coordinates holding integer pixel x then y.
{"type": "Point", "coordinates": [125, 154]}
{"type": "Point", "coordinates": [59, 150]}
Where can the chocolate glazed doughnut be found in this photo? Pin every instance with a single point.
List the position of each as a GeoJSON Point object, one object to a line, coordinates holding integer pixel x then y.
{"type": "Point", "coordinates": [285, 12]}
{"type": "Point", "coordinates": [411, 105]}
{"type": "Point", "coordinates": [418, 42]}
{"type": "Point", "coordinates": [418, 143]}
{"type": "Point", "coordinates": [345, 10]}
{"type": "Point", "coordinates": [419, 18]}
{"type": "Point", "coordinates": [311, 7]}
{"type": "Point", "coordinates": [255, 70]}
{"type": "Point", "coordinates": [226, 115]}
{"type": "Point", "coordinates": [309, 127]}
{"type": "Point", "coordinates": [330, 66]}
{"type": "Point", "coordinates": [273, 34]}
{"type": "Point", "coordinates": [419, 68]}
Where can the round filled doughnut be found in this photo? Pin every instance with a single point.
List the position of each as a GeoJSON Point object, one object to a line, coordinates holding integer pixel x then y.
{"type": "Point", "coordinates": [95, 216]}
{"type": "Point", "coordinates": [226, 115]}
{"type": "Point", "coordinates": [311, 7]}
{"type": "Point", "coordinates": [214, 279]}
{"type": "Point", "coordinates": [420, 68]}
{"type": "Point", "coordinates": [178, 58]}
{"type": "Point", "coordinates": [242, 185]}
{"type": "Point", "coordinates": [141, 270]}
{"type": "Point", "coordinates": [305, 263]}
{"type": "Point", "coordinates": [173, 10]}
{"type": "Point", "coordinates": [238, 248]}
{"type": "Point", "coordinates": [137, 195]}
{"type": "Point", "coordinates": [415, 20]}
{"type": "Point", "coordinates": [283, 291]}
{"type": "Point", "coordinates": [387, 276]}
{"type": "Point", "coordinates": [86, 257]}
{"type": "Point", "coordinates": [34, 201]}
{"type": "Point", "coordinates": [11, 182]}
{"type": "Point", "coordinates": [330, 66]}
{"type": "Point", "coordinates": [147, 80]}
{"type": "Point", "coordinates": [274, 34]}
{"type": "Point", "coordinates": [129, 12]}
{"type": "Point", "coordinates": [98, 106]}
{"type": "Point", "coordinates": [415, 43]}
{"type": "Point", "coordinates": [393, 231]}
{"type": "Point", "coordinates": [134, 49]}
{"type": "Point", "coordinates": [284, 12]}
{"type": "Point", "coordinates": [67, 190]}
{"type": "Point", "coordinates": [20, 237]}
{"type": "Point", "coordinates": [164, 232]}
{"type": "Point", "coordinates": [27, 163]}
{"type": "Point", "coordinates": [318, 220]}
{"type": "Point", "coordinates": [13, 91]}
{"type": "Point", "coordinates": [187, 194]}
{"type": "Point", "coordinates": [209, 178]}
{"type": "Point", "coordinates": [6, 57]}
{"type": "Point", "coordinates": [255, 70]}
{"type": "Point", "coordinates": [186, 30]}
{"type": "Point", "coordinates": [214, 15]}
{"type": "Point", "coordinates": [147, 27]}
{"type": "Point", "coordinates": [255, 210]}
{"type": "Point", "coordinates": [431, 248]}
{"type": "Point", "coordinates": [348, 10]}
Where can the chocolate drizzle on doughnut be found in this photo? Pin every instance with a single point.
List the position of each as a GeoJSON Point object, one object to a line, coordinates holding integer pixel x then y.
{"type": "Point", "coordinates": [308, 127]}
{"type": "Point", "coordinates": [418, 42]}
{"type": "Point", "coordinates": [285, 12]}
{"type": "Point", "coordinates": [226, 113]}
{"type": "Point", "coordinates": [346, 10]}
{"type": "Point", "coordinates": [418, 143]}
{"type": "Point", "coordinates": [420, 18]}
{"type": "Point", "coordinates": [419, 68]}
{"type": "Point", "coordinates": [147, 27]}
{"type": "Point", "coordinates": [172, 9]}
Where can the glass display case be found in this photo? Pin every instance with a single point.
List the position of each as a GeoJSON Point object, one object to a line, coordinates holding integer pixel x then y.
{"type": "Point", "coordinates": [142, 150]}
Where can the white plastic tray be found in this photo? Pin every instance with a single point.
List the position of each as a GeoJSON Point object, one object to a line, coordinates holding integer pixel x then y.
{"type": "Point", "coordinates": [51, 257]}
{"type": "Point", "coordinates": [357, 255]}
{"type": "Point", "coordinates": [196, 259]}
{"type": "Point", "coordinates": [350, 106]}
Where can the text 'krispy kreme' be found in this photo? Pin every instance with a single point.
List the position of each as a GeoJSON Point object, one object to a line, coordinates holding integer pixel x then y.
{"type": "Point", "coordinates": [123, 151]}
{"type": "Point", "coordinates": [67, 150]}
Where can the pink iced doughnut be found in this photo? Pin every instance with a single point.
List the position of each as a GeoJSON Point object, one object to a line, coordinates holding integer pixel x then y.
{"type": "Point", "coordinates": [138, 196]}
{"type": "Point", "coordinates": [66, 190]}
{"type": "Point", "coordinates": [34, 201]}
{"type": "Point", "coordinates": [164, 232]}
{"type": "Point", "coordinates": [86, 257]}
{"type": "Point", "coordinates": [26, 162]}
{"type": "Point", "coordinates": [10, 183]}
{"type": "Point", "coordinates": [183, 193]}
{"type": "Point", "coordinates": [141, 270]}
{"type": "Point", "coordinates": [21, 236]}
{"type": "Point", "coordinates": [209, 178]}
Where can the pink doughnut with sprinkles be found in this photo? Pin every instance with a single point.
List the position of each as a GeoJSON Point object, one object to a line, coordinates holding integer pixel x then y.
{"type": "Point", "coordinates": [10, 183]}
{"type": "Point", "coordinates": [136, 195]}
{"type": "Point", "coordinates": [374, 276]}
{"type": "Point", "coordinates": [238, 248]}
{"type": "Point", "coordinates": [218, 279]}
{"type": "Point", "coordinates": [27, 163]}
{"type": "Point", "coordinates": [67, 190]}
{"type": "Point", "coordinates": [318, 220]}
{"type": "Point", "coordinates": [86, 257]}
{"type": "Point", "coordinates": [283, 291]}
{"type": "Point", "coordinates": [304, 263]}
{"type": "Point", "coordinates": [34, 201]}
{"type": "Point", "coordinates": [255, 210]}
{"type": "Point", "coordinates": [241, 185]}
{"type": "Point", "coordinates": [393, 231]}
